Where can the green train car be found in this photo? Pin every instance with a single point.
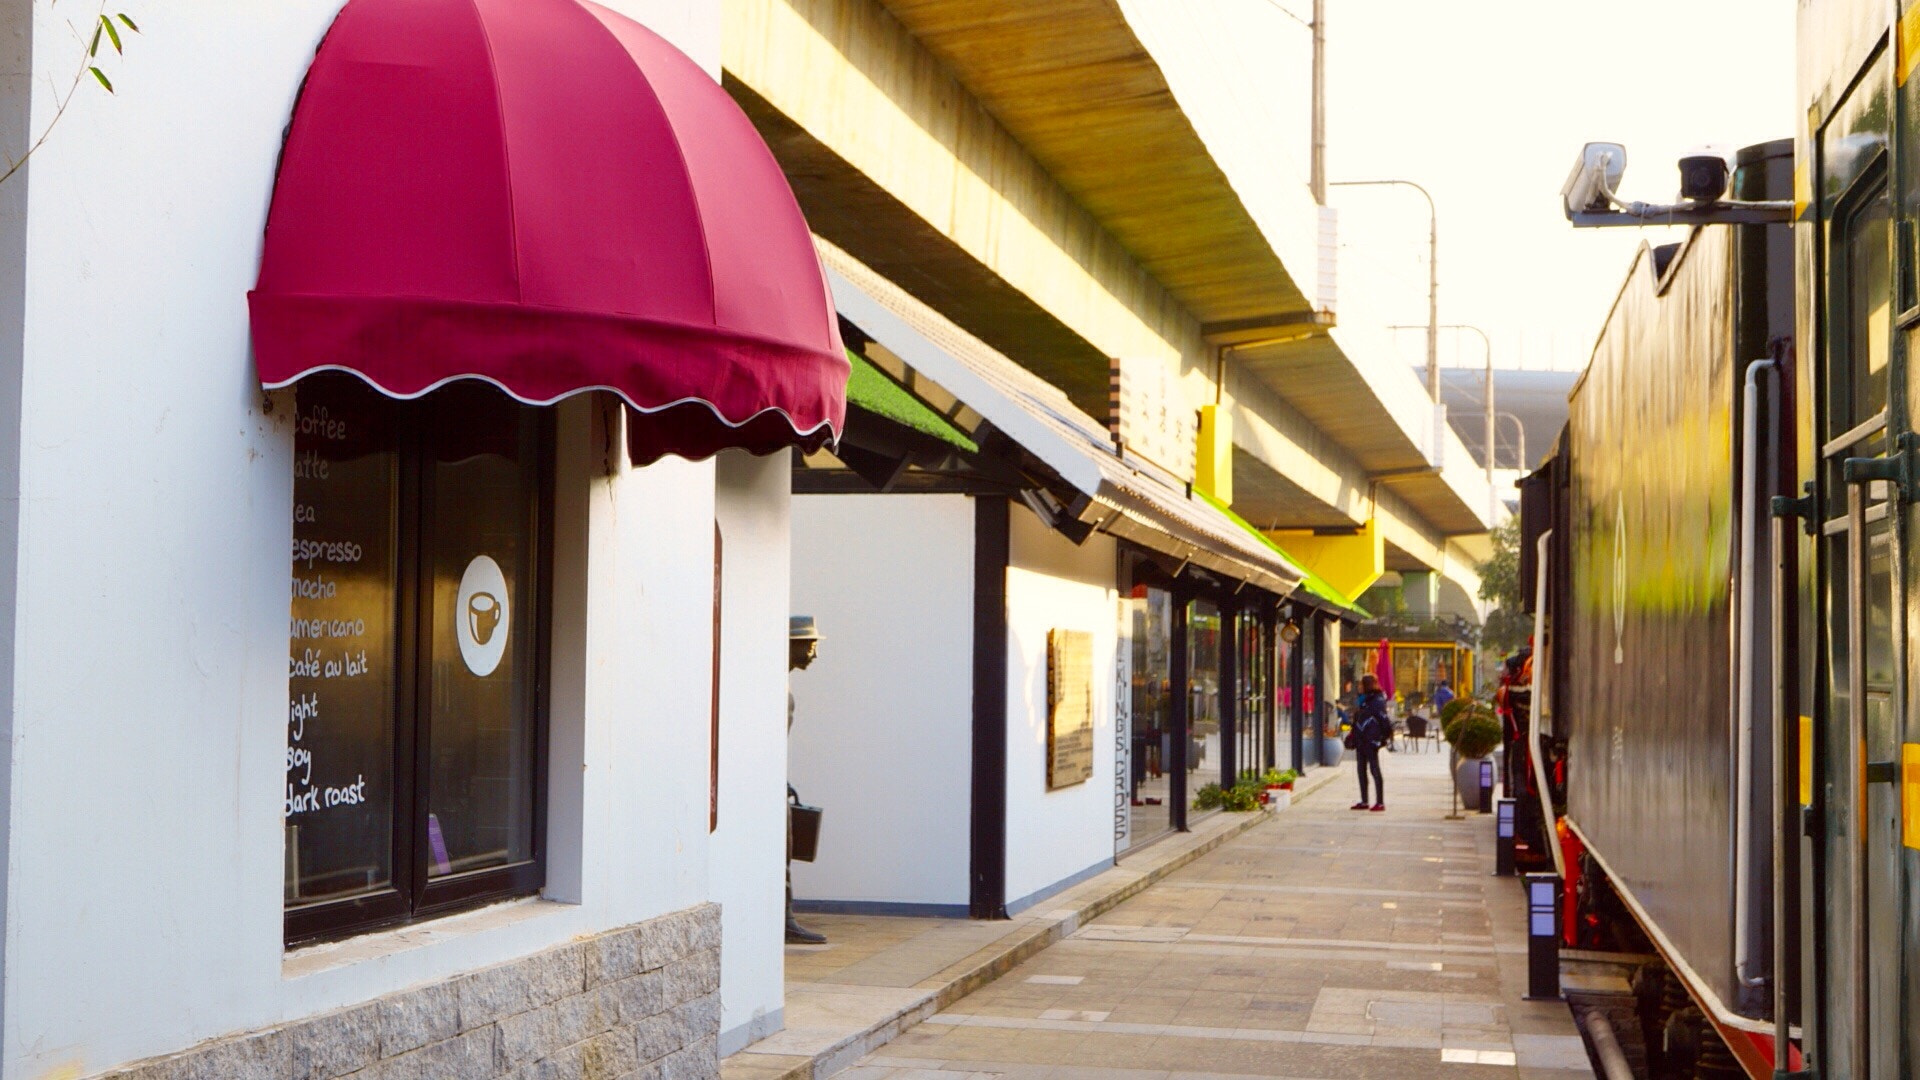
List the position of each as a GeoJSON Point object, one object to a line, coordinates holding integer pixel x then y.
{"type": "Point", "coordinates": [1733, 596]}
{"type": "Point", "coordinates": [1857, 196]}
{"type": "Point", "coordinates": [1652, 521]}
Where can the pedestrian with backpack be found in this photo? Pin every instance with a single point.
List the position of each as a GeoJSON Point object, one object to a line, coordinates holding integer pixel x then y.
{"type": "Point", "coordinates": [1372, 729]}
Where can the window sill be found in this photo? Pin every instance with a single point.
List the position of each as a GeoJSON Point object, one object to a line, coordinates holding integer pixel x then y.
{"type": "Point", "coordinates": [331, 955]}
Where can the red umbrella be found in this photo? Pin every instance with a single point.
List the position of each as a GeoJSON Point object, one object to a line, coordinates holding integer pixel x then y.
{"type": "Point", "coordinates": [1383, 668]}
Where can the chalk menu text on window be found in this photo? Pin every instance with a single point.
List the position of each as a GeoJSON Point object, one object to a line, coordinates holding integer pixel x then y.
{"type": "Point", "coordinates": [341, 636]}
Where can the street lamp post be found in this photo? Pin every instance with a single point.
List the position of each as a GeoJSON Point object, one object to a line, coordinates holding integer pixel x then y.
{"type": "Point", "coordinates": [1520, 440]}
{"type": "Point", "coordinates": [1433, 277]}
{"type": "Point", "coordinates": [1317, 178]}
{"type": "Point", "coordinates": [1492, 499]}
{"type": "Point", "coordinates": [1317, 155]}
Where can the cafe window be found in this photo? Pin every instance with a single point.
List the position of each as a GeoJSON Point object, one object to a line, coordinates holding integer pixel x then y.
{"type": "Point", "coordinates": [416, 722]}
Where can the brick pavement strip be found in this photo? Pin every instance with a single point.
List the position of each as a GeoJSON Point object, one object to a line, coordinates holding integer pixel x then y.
{"type": "Point", "coordinates": [1328, 945]}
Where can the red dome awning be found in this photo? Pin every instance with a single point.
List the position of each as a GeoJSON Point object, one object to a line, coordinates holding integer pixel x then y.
{"type": "Point", "coordinates": [546, 195]}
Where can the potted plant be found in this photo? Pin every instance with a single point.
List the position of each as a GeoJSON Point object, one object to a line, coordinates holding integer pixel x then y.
{"type": "Point", "coordinates": [1332, 749]}
{"type": "Point", "coordinates": [1276, 787]}
{"type": "Point", "coordinates": [1473, 731]}
{"type": "Point", "coordinates": [1239, 798]}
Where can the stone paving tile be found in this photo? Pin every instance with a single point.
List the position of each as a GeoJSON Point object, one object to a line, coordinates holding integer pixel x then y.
{"type": "Point", "coordinates": [767, 1066]}
{"type": "Point", "coordinates": [838, 1002]}
{"type": "Point", "coordinates": [1343, 946]}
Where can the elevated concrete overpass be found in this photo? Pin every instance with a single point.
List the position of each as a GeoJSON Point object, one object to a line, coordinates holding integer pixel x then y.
{"type": "Point", "coordinates": [1030, 172]}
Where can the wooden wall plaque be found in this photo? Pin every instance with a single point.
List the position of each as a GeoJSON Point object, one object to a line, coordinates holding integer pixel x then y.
{"type": "Point", "coordinates": [1069, 708]}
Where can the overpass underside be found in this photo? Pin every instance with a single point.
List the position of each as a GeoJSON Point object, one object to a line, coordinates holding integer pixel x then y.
{"type": "Point", "coordinates": [1074, 217]}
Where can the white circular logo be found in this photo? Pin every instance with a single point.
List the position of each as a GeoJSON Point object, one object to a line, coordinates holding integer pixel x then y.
{"type": "Point", "coordinates": [481, 617]}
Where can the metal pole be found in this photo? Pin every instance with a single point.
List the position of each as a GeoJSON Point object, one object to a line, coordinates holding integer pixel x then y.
{"type": "Point", "coordinates": [1433, 302]}
{"type": "Point", "coordinates": [1317, 179]}
{"type": "Point", "coordinates": [1181, 719]}
{"type": "Point", "coordinates": [1453, 804]}
{"type": "Point", "coordinates": [1493, 500]}
{"type": "Point", "coordinates": [1606, 1046]}
{"type": "Point", "coordinates": [1519, 439]}
{"type": "Point", "coordinates": [1487, 345]}
{"type": "Point", "coordinates": [1433, 277]}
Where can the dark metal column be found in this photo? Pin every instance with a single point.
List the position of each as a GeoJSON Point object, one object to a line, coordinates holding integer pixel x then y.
{"type": "Point", "coordinates": [1269, 707]}
{"type": "Point", "coordinates": [1181, 727]}
{"type": "Point", "coordinates": [987, 855]}
{"type": "Point", "coordinates": [1229, 695]}
{"type": "Point", "coordinates": [1297, 699]}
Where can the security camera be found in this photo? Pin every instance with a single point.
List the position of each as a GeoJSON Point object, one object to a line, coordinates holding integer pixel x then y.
{"type": "Point", "coordinates": [1596, 176]}
{"type": "Point", "coordinates": [1591, 200]}
{"type": "Point", "coordinates": [1703, 174]}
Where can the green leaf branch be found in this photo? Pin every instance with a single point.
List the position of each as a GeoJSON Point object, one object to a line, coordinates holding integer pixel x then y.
{"type": "Point", "coordinates": [106, 29]}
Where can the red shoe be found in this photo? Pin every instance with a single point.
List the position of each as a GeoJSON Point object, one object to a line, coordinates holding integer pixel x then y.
{"type": "Point", "coordinates": [1379, 808]}
{"type": "Point", "coordinates": [1359, 806]}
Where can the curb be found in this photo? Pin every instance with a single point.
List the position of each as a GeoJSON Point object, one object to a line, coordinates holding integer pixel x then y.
{"type": "Point", "coordinates": [995, 960]}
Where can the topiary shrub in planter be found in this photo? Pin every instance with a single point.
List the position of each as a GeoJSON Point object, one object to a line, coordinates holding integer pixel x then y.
{"type": "Point", "coordinates": [1475, 736]}
{"type": "Point", "coordinates": [1474, 732]}
{"type": "Point", "coordinates": [1451, 714]}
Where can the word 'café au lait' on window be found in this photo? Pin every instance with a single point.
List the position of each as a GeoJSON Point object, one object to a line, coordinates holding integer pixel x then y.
{"type": "Point", "coordinates": [414, 729]}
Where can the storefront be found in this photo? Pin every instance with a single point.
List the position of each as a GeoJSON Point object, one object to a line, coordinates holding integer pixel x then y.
{"type": "Point", "coordinates": [531, 298]}
{"type": "Point", "coordinates": [1419, 666]}
{"type": "Point", "coordinates": [1025, 633]}
{"type": "Point", "coordinates": [1214, 715]}
{"type": "Point", "coordinates": [1320, 689]}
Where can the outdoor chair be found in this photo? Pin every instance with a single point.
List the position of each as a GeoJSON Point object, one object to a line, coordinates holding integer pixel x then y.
{"type": "Point", "coordinates": [1418, 731]}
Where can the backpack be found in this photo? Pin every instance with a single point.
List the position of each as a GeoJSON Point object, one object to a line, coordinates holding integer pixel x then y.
{"type": "Point", "coordinates": [1369, 725]}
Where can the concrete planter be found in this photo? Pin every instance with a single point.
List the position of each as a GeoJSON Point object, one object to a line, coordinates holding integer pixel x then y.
{"type": "Point", "coordinates": [1466, 779]}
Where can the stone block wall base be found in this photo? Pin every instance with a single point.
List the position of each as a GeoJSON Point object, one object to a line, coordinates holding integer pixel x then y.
{"type": "Point", "coordinates": [641, 1002]}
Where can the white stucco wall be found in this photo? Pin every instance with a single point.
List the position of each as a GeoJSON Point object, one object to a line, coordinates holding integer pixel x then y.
{"type": "Point", "coordinates": [147, 719]}
{"type": "Point", "coordinates": [750, 842]}
{"type": "Point", "coordinates": [882, 738]}
{"type": "Point", "coordinates": [1052, 584]}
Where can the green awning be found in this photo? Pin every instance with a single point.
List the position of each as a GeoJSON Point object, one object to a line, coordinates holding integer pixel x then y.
{"type": "Point", "coordinates": [1313, 583]}
{"type": "Point", "coordinates": [869, 388]}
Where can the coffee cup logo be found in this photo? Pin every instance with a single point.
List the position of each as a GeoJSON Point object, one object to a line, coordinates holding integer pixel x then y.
{"type": "Point", "coordinates": [482, 618]}
{"type": "Point", "coordinates": [483, 614]}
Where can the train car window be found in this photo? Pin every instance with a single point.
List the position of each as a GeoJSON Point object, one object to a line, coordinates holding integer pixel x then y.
{"type": "Point", "coordinates": [1868, 308]}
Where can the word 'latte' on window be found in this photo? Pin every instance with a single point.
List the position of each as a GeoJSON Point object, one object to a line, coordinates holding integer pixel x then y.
{"type": "Point", "coordinates": [415, 724]}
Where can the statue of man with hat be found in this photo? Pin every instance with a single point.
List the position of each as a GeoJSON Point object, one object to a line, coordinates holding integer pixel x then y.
{"type": "Point", "coordinates": [803, 646]}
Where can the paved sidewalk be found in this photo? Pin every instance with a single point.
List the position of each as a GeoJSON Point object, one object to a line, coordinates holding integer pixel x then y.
{"type": "Point", "coordinates": [879, 976]}
{"type": "Point", "coordinates": [1331, 944]}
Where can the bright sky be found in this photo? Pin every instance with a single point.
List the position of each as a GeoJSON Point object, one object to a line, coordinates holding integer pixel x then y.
{"type": "Point", "coordinates": [1487, 103]}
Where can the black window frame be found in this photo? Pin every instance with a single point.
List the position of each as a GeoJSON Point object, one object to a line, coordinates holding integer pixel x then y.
{"type": "Point", "coordinates": [414, 895]}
